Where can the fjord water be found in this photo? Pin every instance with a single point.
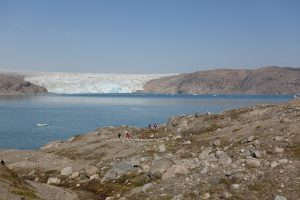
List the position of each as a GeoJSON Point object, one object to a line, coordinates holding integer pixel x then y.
{"type": "Point", "coordinates": [69, 115]}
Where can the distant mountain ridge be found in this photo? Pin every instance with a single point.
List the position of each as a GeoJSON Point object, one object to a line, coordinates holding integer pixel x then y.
{"type": "Point", "coordinates": [265, 80]}
{"type": "Point", "coordinates": [11, 84]}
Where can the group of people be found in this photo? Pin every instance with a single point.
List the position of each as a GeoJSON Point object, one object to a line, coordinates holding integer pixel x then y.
{"type": "Point", "coordinates": [127, 135]}
{"type": "Point", "coordinates": [152, 126]}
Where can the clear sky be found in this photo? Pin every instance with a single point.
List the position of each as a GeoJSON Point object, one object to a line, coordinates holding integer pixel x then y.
{"type": "Point", "coordinates": [148, 36]}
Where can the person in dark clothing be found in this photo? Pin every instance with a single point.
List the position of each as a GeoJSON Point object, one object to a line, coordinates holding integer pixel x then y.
{"type": "Point", "coordinates": [2, 162]}
{"type": "Point", "coordinates": [119, 135]}
{"type": "Point", "coordinates": [150, 126]}
{"type": "Point", "coordinates": [155, 126]}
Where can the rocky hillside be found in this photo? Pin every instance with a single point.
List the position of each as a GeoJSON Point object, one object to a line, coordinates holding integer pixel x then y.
{"type": "Point", "coordinates": [248, 153]}
{"type": "Point", "coordinates": [15, 85]}
{"type": "Point", "coordinates": [13, 187]}
{"type": "Point", "coordinates": [266, 80]}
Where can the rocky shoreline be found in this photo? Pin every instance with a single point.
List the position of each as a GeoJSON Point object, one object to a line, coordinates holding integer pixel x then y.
{"type": "Point", "coordinates": [246, 153]}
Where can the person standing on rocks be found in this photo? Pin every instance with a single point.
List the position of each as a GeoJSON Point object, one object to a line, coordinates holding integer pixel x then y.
{"type": "Point", "coordinates": [127, 135]}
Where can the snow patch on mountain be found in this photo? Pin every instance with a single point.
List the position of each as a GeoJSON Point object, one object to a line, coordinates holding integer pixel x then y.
{"type": "Point", "coordinates": [88, 83]}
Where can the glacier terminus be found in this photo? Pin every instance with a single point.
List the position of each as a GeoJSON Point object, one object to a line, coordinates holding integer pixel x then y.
{"type": "Point", "coordinates": [91, 83]}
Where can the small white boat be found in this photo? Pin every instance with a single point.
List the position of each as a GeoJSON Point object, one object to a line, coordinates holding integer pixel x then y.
{"type": "Point", "coordinates": [41, 125]}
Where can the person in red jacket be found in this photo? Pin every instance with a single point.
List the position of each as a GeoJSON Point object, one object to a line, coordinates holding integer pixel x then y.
{"type": "Point", "coordinates": [127, 135]}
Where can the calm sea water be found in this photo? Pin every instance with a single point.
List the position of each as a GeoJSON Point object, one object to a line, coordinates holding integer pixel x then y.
{"type": "Point", "coordinates": [71, 115]}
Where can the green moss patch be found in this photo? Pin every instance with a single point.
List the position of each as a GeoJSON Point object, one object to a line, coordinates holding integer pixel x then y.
{"type": "Point", "coordinates": [28, 194]}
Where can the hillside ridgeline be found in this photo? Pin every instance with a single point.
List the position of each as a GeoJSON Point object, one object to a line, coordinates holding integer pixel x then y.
{"type": "Point", "coordinates": [15, 85]}
{"type": "Point", "coordinates": [266, 80]}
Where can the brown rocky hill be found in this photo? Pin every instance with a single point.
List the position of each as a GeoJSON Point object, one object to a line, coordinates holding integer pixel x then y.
{"type": "Point", "coordinates": [15, 85]}
{"type": "Point", "coordinates": [266, 80]}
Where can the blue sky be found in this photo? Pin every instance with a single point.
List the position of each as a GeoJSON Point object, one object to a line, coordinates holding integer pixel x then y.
{"type": "Point", "coordinates": [148, 36]}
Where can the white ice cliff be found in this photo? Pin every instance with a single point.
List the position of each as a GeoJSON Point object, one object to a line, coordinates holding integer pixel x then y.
{"type": "Point", "coordinates": [81, 83]}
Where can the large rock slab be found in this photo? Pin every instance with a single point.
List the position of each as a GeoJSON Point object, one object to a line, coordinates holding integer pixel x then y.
{"type": "Point", "coordinates": [66, 171]}
{"type": "Point", "coordinates": [175, 170]}
{"type": "Point", "coordinates": [119, 169]}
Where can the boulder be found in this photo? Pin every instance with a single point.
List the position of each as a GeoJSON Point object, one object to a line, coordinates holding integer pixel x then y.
{"type": "Point", "coordinates": [66, 171]}
{"type": "Point", "coordinates": [146, 187]}
{"type": "Point", "coordinates": [274, 164]}
{"type": "Point", "coordinates": [277, 197]}
{"type": "Point", "coordinates": [205, 170]}
{"type": "Point", "coordinates": [175, 170]}
{"type": "Point", "coordinates": [235, 186]}
{"type": "Point", "coordinates": [196, 192]}
{"type": "Point", "coordinates": [178, 123]}
{"type": "Point", "coordinates": [161, 165]}
{"type": "Point", "coordinates": [205, 153]}
{"type": "Point", "coordinates": [255, 154]}
{"type": "Point", "coordinates": [83, 175]}
{"type": "Point", "coordinates": [92, 170]}
{"type": "Point", "coordinates": [206, 195]}
{"type": "Point", "coordinates": [95, 176]}
{"type": "Point", "coordinates": [75, 175]}
{"type": "Point", "coordinates": [216, 143]}
{"type": "Point", "coordinates": [226, 195]}
{"type": "Point", "coordinates": [250, 138]}
{"type": "Point", "coordinates": [162, 148]}
{"type": "Point", "coordinates": [278, 150]}
{"type": "Point", "coordinates": [32, 173]}
{"type": "Point", "coordinates": [253, 162]}
{"type": "Point", "coordinates": [283, 161]}
{"type": "Point", "coordinates": [256, 143]}
{"type": "Point", "coordinates": [178, 197]}
{"type": "Point", "coordinates": [189, 163]}
{"type": "Point", "coordinates": [224, 159]}
{"type": "Point", "coordinates": [119, 169]}
{"type": "Point", "coordinates": [53, 181]}
{"type": "Point", "coordinates": [146, 167]}
{"type": "Point", "coordinates": [187, 142]}
{"type": "Point", "coordinates": [278, 138]}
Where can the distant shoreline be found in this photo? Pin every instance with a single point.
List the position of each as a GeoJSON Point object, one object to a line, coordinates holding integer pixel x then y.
{"type": "Point", "coordinates": [141, 94]}
{"type": "Point", "coordinates": [262, 81]}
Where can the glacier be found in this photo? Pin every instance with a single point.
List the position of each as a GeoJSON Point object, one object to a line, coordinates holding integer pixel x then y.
{"type": "Point", "coordinates": [91, 83]}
